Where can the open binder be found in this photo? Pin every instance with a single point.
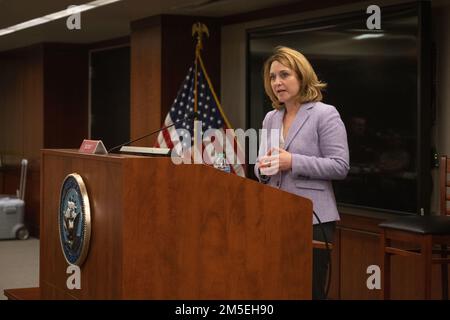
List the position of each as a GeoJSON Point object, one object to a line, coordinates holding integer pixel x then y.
{"type": "Point", "coordinates": [145, 151]}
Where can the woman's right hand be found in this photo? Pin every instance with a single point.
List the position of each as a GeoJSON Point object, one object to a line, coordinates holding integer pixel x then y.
{"type": "Point", "coordinates": [269, 164]}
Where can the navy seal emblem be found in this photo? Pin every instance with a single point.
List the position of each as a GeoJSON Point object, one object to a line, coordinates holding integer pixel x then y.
{"type": "Point", "coordinates": [74, 219]}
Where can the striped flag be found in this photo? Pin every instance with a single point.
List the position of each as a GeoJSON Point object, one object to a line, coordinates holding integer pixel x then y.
{"type": "Point", "coordinates": [197, 95]}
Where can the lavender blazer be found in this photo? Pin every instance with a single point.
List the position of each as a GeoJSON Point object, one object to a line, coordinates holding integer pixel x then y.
{"type": "Point", "coordinates": [317, 140]}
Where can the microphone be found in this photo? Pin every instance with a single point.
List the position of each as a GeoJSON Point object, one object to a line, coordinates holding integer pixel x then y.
{"type": "Point", "coordinates": [192, 115]}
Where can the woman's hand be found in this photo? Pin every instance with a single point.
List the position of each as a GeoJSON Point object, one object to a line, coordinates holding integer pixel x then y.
{"type": "Point", "coordinates": [285, 158]}
{"type": "Point", "coordinates": [278, 158]}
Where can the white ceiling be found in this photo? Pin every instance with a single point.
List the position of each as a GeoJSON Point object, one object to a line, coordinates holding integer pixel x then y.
{"type": "Point", "coordinates": [110, 21]}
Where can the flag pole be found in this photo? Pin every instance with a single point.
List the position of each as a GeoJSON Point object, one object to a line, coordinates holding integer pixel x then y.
{"type": "Point", "coordinates": [198, 29]}
{"type": "Point", "coordinates": [239, 155]}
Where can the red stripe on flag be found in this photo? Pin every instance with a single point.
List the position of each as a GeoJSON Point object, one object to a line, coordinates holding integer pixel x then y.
{"type": "Point", "coordinates": [167, 138]}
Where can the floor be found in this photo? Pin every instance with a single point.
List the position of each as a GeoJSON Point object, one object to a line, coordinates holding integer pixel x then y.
{"type": "Point", "coordinates": [19, 264]}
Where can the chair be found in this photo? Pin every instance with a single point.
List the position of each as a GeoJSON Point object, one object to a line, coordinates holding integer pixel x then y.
{"type": "Point", "coordinates": [425, 231]}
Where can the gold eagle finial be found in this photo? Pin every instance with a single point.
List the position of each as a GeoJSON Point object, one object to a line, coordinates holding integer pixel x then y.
{"type": "Point", "coordinates": [199, 29]}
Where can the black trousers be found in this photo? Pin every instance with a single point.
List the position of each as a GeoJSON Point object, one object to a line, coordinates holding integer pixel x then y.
{"type": "Point", "coordinates": [321, 259]}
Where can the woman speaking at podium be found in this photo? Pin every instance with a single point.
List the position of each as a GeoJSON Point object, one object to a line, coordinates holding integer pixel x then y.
{"type": "Point", "coordinates": [308, 148]}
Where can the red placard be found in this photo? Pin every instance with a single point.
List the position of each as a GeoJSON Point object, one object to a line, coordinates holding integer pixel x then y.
{"type": "Point", "coordinates": [92, 147]}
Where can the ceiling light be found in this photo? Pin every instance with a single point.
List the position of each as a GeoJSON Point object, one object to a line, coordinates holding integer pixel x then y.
{"type": "Point", "coordinates": [6, 31]}
{"type": "Point", "coordinates": [29, 24]}
{"type": "Point", "coordinates": [368, 36]}
{"type": "Point", "coordinates": [56, 15]}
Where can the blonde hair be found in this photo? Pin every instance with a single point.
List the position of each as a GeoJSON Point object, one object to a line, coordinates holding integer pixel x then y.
{"type": "Point", "coordinates": [310, 85]}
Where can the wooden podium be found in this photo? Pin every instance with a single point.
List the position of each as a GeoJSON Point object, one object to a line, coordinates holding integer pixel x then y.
{"type": "Point", "coordinates": [165, 231]}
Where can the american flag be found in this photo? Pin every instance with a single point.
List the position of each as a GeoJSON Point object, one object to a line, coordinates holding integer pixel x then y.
{"type": "Point", "coordinates": [209, 112]}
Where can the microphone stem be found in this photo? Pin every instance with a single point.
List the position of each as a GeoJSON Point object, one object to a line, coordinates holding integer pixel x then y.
{"type": "Point", "coordinates": [149, 134]}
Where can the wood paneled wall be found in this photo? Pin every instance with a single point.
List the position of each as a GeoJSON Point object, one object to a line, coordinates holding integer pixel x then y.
{"type": "Point", "coordinates": [21, 104]}
{"type": "Point", "coordinates": [145, 104]}
{"type": "Point", "coordinates": [162, 50]}
{"type": "Point", "coordinates": [43, 104]}
{"type": "Point", "coordinates": [21, 124]}
{"type": "Point", "coordinates": [66, 87]}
